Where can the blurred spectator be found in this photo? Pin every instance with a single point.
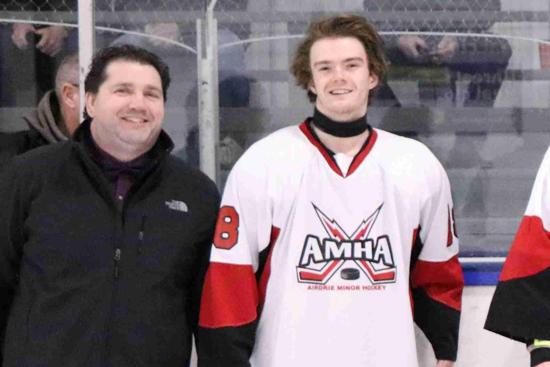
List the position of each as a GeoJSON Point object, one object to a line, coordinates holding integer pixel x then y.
{"type": "Point", "coordinates": [35, 48]}
{"type": "Point", "coordinates": [233, 92]}
{"type": "Point", "coordinates": [55, 118]}
{"type": "Point", "coordinates": [50, 39]}
{"type": "Point", "coordinates": [233, 87]}
{"type": "Point", "coordinates": [447, 60]}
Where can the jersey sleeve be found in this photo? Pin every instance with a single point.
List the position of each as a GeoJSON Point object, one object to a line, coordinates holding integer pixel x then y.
{"type": "Point", "coordinates": [436, 276]}
{"type": "Point", "coordinates": [231, 293]}
{"type": "Point", "coordinates": [520, 308]}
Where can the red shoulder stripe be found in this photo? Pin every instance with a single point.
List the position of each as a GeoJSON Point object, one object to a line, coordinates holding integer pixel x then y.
{"type": "Point", "coordinates": [229, 297]}
{"type": "Point", "coordinates": [443, 281]}
{"type": "Point", "coordinates": [530, 251]}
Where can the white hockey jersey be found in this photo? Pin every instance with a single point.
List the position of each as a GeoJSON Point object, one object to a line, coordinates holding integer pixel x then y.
{"type": "Point", "coordinates": [335, 288]}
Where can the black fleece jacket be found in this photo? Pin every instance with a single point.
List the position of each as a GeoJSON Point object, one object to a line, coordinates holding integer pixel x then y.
{"type": "Point", "coordinates": [86, 281]}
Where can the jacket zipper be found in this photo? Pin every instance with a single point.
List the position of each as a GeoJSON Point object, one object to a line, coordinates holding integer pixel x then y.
{"type": "Point", "coordinates": [141, 234]}
{"type": "Point", "coordinates": [116, 258]}
{"type": "Point", "coordinates": [117, 255]}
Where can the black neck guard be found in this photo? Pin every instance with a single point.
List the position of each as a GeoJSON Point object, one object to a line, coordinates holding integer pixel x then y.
{"type": "Point", "coordinates": [340, 129]}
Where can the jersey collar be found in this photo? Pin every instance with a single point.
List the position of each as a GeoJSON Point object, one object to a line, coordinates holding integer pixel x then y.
{"type": "Point", "coordinates": [310, 134]}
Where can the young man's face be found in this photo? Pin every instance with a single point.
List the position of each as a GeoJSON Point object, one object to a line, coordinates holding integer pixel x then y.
{"type": "Point", "coordinates": [341, 78]}
{"type": "Point", "coordinates": [128, 109]}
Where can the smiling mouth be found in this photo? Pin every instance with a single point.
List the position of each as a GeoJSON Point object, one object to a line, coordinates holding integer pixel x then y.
{"type": "Point", "coordinates": [135, 120]}
{"type": "Point", "coordinates": [340, 92]}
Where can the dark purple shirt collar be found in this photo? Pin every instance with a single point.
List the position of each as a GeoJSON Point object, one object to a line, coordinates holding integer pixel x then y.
{"type": "Point", "coordinates": [122, 175]}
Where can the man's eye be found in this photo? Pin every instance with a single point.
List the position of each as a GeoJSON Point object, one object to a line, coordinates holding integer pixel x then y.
{"type": "Point", "coordinates": [152, 95]}
{"type": "Point", "coordinates": [121, 91]}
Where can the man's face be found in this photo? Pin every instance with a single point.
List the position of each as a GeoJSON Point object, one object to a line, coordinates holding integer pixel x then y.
{"type": "Point", "coordinates": [128, 109]}
{"type": "Point", "coordinates": [341, 78]}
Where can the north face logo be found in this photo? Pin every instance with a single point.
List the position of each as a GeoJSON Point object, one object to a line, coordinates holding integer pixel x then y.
{"type": "Point", "coordinates": [321, 258]}
{"type": "Point", "coordinates": [177, 205]}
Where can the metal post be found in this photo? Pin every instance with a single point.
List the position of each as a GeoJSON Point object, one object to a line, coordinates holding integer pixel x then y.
{"type": "Point", "coordinates": [207, 67]}
{"type": "Point", "coordinates": [86, 42]}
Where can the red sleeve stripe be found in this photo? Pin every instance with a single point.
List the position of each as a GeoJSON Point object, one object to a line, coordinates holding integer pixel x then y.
{"type": "Point", "coordinates": [229, 297]}
{"type": "Point", "coordinates": [267, 269]}
{"type": "Point", "coordinates": [449, 230]}
{"type": "Point", "coordinates": [442, 281]}
{"type": "Point", "coordinates": [530, 251]}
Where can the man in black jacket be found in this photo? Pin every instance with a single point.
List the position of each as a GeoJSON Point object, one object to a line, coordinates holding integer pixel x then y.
{"type": "Point", "coordinates": [55, 118]}
{"type": "Point", "coordinates": [104, 239]}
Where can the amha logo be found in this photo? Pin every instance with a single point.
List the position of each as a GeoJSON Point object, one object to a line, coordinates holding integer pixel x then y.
{"type": "Point", "coordinates": [322, 258]}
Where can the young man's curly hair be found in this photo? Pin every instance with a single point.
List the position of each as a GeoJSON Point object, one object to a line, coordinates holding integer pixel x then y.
{"type": "Point", "coordinates": [339, 26]}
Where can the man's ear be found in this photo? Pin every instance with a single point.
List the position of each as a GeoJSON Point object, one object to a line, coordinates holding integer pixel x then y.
{"type": "Point", "coordinates": [70, 95]}
{"type": "Point", "coordinates": [311, 87]}
{"type": "Point", "coordinates": [90, 104]}
{"type": "Point", "coordinates": [373, 81]}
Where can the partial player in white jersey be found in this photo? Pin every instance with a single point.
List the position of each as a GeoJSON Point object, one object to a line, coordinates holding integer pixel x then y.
{"type": "Point", "coordinates": [520, 308]}
{"type": "Point", "coordinates": [333, 237]}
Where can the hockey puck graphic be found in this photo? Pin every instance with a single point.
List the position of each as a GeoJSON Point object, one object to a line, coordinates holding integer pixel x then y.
{"type": "Point", "coordinates": [349, 274]}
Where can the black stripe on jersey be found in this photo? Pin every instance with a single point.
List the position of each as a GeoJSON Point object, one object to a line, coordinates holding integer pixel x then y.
{"type": "Point", "coordinates": [231, 346]}
{"type": "Point", "coordinates": [262, 260]}
{"type": "Point", "coordinates": [439, 323]}
{"type": "Point", "coordinates": [416, 249]}
{"type": "Point", "coordinates": [227, 346]}
{"type": "Point", "coordinates": [520, 308]}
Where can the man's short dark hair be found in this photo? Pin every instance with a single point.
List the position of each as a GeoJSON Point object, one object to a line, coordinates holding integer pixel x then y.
{"type": "Point", "coordinates": [338, 26]}
{"type": "Point", "coordinates": [107, 55]}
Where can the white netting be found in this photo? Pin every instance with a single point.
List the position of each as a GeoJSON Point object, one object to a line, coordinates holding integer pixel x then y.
{"type": "Point", "coordinates": [48, 11]}
{"type": "Point", "coordinates": [471, 16]}
{"type": "Point", "coordinates": [155, 20]}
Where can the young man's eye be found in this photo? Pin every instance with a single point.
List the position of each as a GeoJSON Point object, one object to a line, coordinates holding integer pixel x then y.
{"type": "Point", "coordinates": [121, 91]}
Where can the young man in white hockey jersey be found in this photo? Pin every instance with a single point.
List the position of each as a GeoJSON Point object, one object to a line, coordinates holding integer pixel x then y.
{"type": "Point", "coordinates": [520, 308]}
{"type": "Point", "coordinates": [333, 237]}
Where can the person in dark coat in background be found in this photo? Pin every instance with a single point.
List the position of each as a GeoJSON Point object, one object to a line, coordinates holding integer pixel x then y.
{"type": "Point", "coordinates": [55, 118]}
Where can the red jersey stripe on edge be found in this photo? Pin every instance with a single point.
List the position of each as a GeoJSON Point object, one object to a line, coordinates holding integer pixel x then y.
{"type": "Point", "coordinates": [529, 253]}
{"type": "Point", "coordinates": [305, 129]}
{"type": "Point", "coordinates": [357, 160]}
{"type": "Point", "coordinates": [360, 157]}
{"type": "Point", "coordinates": [442, 281]}
{"type": "Point", "coordinates": [229, 296]}
{"type": "Point", "coordinates": [267, 269]}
